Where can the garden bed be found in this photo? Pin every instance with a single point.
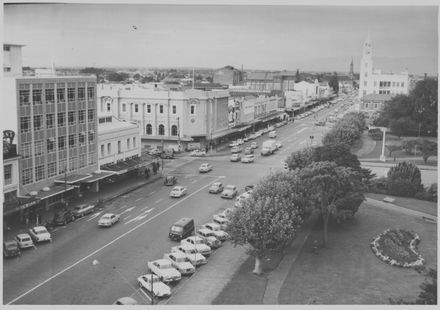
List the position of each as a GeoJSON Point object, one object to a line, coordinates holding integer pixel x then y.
{"type": "Point", "coordinates": [397, 247]}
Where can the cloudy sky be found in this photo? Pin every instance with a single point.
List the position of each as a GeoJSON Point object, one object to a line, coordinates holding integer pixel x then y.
{"type": "Point", "coordinates": [257, 37]}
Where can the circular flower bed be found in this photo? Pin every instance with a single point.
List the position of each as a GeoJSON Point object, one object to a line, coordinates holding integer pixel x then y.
{"type": "Point", "coordinates": [397, 247]}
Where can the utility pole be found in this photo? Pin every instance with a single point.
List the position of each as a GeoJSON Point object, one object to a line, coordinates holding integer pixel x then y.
{"type": "Point", "coordinates": [152, 290]}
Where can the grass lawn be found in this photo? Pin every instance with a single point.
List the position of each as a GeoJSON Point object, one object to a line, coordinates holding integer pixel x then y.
{"type": "Point", "coordinates": [347, 271]}
{"type": "Point", "coordinates": [410, 203]}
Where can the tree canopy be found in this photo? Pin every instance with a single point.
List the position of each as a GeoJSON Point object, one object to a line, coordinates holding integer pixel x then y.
{"type": "Point", "coordinates": [334, 83]}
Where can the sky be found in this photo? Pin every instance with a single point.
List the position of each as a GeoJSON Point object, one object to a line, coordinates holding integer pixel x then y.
{"type": "Point", "coordinates": [271, 37]}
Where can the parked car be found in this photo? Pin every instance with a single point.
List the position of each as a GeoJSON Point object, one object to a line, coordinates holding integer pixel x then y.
{"type": "Point", "coordinates": [233, 143]}
{"type": "Point", "coordinates": [215, 188]}
{"type": "Point", "coordinates": [198, 153]}
{"type": "Point", "coordinates": [236, 149]}
{"type": "Point", "coordinates": [180, 262]}
{"type": "Point", "coordinates": [229, 192]}
{"type": "Point", "coordinates": [254, 145]}
{"type": "Point", "coordinates": [249, 188]}
{"type": "Point", "coordinates": [240, 141]}
{"type": "Point", "coordinates": [125, 301]}
{"type": "Point", "coordinates": [248, 159]}
{"type": "Point", "coordinates": [62, 217]}
{"type": "Point", "coordinates": [170, 180]}
{"type": "Point", "coordinates": [278, 144]}
{"type": "Point", "coordinates": [108, 219]}
{"type": "Point", "coordinates": [246, 139]}
{"type": "Point", "coordinates": [164, 270]}
{"type": "Point", "coordinates": [273, 134]}
{"type": "Point", "coordinates": [248, 150]}
{"type": "Point", "coordinates": [217, 231]}
{"type": "Point", "coordinates": [208, 238]}
{"type": "Point", "coordinates": [11, 248]}
{"type": "Point", "coordinates": [205, 167]}
{"type": "Point", "coordinates": [178, 191]}
{"type": "Point", "coordinates": [167, 155]}
{"type": "Point", "coordinates": [235, 157]}
{"type": "Point", "coordinates": [223, 222]}
{"type": "Point", "coordinates": [24, 241]}
{"type": "Point", "coordinates": [83, 209]}
{"type": "Point", "coordinates": [194, 257]}
{"type": "Point", "coordinates": [197, 243]}
{"type": "Point", "coordinates": [40, 234]}
{"type": "Point", "coordinates": [152, 284]}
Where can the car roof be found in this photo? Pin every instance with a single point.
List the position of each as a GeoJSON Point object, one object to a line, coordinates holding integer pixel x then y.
{"type": "Point", "coordinates": [230, 185]}
{"type": "Point", "coordinates": [217, 183]}
{"type": "Point", "coordinates": [40, 228]}
{"type": "Point", "coordinates": [23, 236]}
{"type": "Point", "coordinates": [178, 187]}
{"type": "Point", "coordinates": [177, 254]}
{"type": "Point", "coordinates": [9, 242]}
{"type": "Point", "coordinates": [162, 261]}
{"type": "Point", "coordinates": [108, 214]}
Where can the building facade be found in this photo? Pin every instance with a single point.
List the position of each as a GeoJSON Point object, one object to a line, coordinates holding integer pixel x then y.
{"type": "Point", "coordinates": [373, 81]}
{"type": "Point", "coordinates": [372, 103]}
{"type": "Point", "coordinates": [228, 76]}
{"type": "Point", "coordinates": [12, 60]}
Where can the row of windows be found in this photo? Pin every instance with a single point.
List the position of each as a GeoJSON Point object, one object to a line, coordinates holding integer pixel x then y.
{"type": "Point", "coordinates": [161, 130]}
{"type": "Point", "coordinates": [73, 94]}
{"type": "Point", "coordinates": [72, 118]}
{"type": "Point", "coordinates": [375, 105]}
{"type": "Point", "coordinates": [73, 140]}
{"type": "Point", "coordinates": [161, 108]}
{"type": "Point", "coordinates": [109, 147]}
{"type": "Point", "coordinates": [389, 84]}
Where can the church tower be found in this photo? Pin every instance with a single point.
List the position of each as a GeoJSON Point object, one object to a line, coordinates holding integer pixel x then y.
{"type": "Point", "coordinates": [366, 68]}
{"type": "Point", "coordinates": [351, 73]}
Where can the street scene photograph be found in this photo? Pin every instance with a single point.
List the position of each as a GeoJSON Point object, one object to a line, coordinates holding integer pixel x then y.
{"type": "Point", "coordinates": [219, 154]}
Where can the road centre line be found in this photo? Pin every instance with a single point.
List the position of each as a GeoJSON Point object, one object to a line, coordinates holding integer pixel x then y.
{"type": "Point", "coordinates": [106, 245]}
{"type": "Point", "coordinates": [159, 200]}
{"type": "Point", "coordinates": [140, 198]}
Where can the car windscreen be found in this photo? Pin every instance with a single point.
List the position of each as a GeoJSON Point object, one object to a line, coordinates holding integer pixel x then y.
{"type": "Point", "coordinates": [176, 229]}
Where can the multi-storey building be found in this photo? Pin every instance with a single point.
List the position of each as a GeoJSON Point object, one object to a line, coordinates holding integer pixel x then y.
{"type": "Point", "coordinates": [12, 60]}
{"type": "Point", "coordinates": [228, 76]}
{"type": "Point", "coordinates": [373, 81]}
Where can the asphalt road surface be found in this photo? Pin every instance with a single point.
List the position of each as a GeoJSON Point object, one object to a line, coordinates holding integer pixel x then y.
{"type": "Point", "coordinates": [63, 272]}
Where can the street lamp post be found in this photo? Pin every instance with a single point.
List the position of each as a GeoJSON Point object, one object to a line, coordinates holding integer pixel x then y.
{"type": "Point", "coordinates": [382, 156]}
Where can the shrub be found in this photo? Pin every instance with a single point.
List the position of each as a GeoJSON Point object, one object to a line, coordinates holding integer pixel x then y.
{"type": "Point", "coordinates": [404, 179]}
{"type": "Point", "coordinates": [378, 185]}
{"type": "Point", "coordinates": [375, 134]}
{"type": "Point", "coordinates": [424, 196]}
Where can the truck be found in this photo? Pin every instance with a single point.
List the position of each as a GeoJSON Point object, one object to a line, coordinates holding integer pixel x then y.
{"type": "Point", "coordinates": [268, 147]}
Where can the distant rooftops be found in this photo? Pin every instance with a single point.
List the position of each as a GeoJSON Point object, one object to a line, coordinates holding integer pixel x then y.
{"type": "Point", "coordinates": [12, 44]}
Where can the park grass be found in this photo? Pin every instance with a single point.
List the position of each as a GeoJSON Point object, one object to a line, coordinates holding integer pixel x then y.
{"type": "Point", "coordinates": [429, 207]}
{"type": "Point", "coordinates": [347, 271]}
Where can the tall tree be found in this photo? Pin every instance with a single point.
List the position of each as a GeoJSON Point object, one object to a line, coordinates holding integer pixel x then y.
{"type": "Point", "coordinates": [334, 82]}
{"type": "Point", "coordinates": [297, 76]}
{"type": "Point", "coordinates": [269, 219]}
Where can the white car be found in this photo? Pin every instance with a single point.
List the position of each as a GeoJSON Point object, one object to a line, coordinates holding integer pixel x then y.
{"type": "Point", "coordinates": [178, 191]}
{"type": "Point", "coordinates": [215, 188]}
{"type": "Point", "coordinates": [235, 157]}
{"type": "Point", "coordinates": [205, 167]}
{"type": "Point", "coordinates": [164, 270]}
{"type": "Point", "coordinates": [248, 159]}
{"type": "Point", "coordinates": [273, 134]}
{"type": "Point", "coordinates": [209, 238]}
{"type": "Point", "coordinates": [236, 149]}
{"type": "Point", "coordinates": [229, 192]}
{"type": "Point", "coordinates": [40, 234]}
{"type": "Point", "coordinates": [223, 222]}
{"type": "Point", "coordinates": [194, 257]}
{"type": "Point", "coordinates": [197, 243]}
{"type": "Point", "coordinates": [198, 153]}
{"type": "Point", "coordinates": [240, 198]}
{"type": "Point", "coordinates": [254, 145]}
{"type": "Point", "coordinates": [233, 143]}
{"type": "Point", "coordinates": [278, 144]}
{"type": "Point", "coordinates": [240, 141]}
{"type": "Point", "coordinates": [24, 241]}
{"type": "Point", "coordinates": [108, 219]}
{"type": "Point", "coordinates": [152, 284]}
{"type": "Point", "coordinates": [217, 231]}
{"type": "Point", "coordinates": [180, 262]}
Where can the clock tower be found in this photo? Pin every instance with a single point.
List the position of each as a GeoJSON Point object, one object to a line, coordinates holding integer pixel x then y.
{"type": "Point", "coordinates": [366, 68]}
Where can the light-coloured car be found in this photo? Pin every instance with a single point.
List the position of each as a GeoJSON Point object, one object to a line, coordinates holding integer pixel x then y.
{"type": "Point", "coordinates": [273, 134]}
{"type": "Point", "coordinates": [209, 238]}
{"type": "Point", "coordinates": [178, 191]}
{"type": "Point", "coordinates": [279, 144]}
{"type": "Point", "coordinates": [108, 219]}
{"type": "Point", "coordinates": [235, 157]}
{"type": "Point", "coordinates": [217, 231]}
{"type": "Point", "coordinates": [216, 187]}
{"type": "Point", "coordinates": [254, 145]}
{"type": "Point", "coordinates": [229, 192]}
{"type": "Point", "coordinates": [24, 241]}
{"type": "Point", "coordinates": [197, 243]}
{"type": "Point", "coordinates": [236, 149]}
{"type": "Point", "coordinates": [240, 141]}
{"type": "Point", "coordinates": [223, 222]}
{"type": "Point", "coordinates": [198, 153]}
{"type": "Point", "coordinates": [248, 150]}
{"type": "Point", "coordinates": [248, 159]}
{"type": "Point", "coordinates": [180, 262]}
{"type": "Point", "coordinates": [164, 270]}
{"type": "Point", "coordinates": [233, 143]}
{"type": "Point", "coordinates": [205, 167]}
{"type": "Point", "coordinates": [152, 284]}
{"type": "Point", "coordinates": [40, 234]}
{"type": "Point", "coordinates": [195, 258]}
{"type": "Point", "coordinates": [126, 301]}
{"type": "Point", "coordinates": [83, 209]}
{"type": "Point", "coordinates": [240, 198]}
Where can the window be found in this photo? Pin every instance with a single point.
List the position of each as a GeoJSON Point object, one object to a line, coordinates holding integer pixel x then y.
{"type": "Point", "coordinates": [24, 97]}
{"type": "Point", "coordinates": [71, 141]}
{"type": "Point", "coordinates": [193, 108]}
{"type": "Point", "coordinates": [375, 105]}
{"type": "Point", "coordinates": [134, 142]}
{"type": "Point", "coordinates": [102, 150]}
{"type": "Point", "coordinates": [6, 69]}
{"type": "Point", "coordinates": [25, 124]}
{"type": "Point", "coordinates": [90, 92]}
{"type": "Point", "coordinates": [109, 106]}
{"type": "Point", "coordinates": [174, 109]}
{"type": "Point", "coordinates": [91, 137]}
{"type": "Point", "coordinates": [39, 147]}
{"type": "Point", "coordinates": [365, 84]}
{"type": "Point", "coordinates": [82, 116]}
{"type": "Point", "coordinates": [72, 163]}
{"type": "Point", "coordinates": [174, 130]}
{"type": "Point", "coordinates": [61, 96]}
{"type": "Point", "coordinates": [62, 166]}
{"type": "Point", "coordinates": [7, 174]}
{"type": "Point", "coordinates": [402, 84]}
{"type": "Point", "coordinates": [71, 117]}
{"type": "Point", "coordinates": [161, 130]}
{"type": "Point", "coordinates": [136, 108]}
{"type": "Point", "coordinates": [109, 148]}
{"type": "Point", "coordinates": [27, 176]}
{"type": "Point", "coordinates": [128, 143]}
{"type": "Point", "coordinates": [39, 173]}
{"type": "Point", "coordinates": [50, 145]}
{"type": "Point", "coordinates": [38, 120]}
{"type": "Point", "coordinates": [119, 147]}
{"type": "Point", "coordinates": [92, 158]}
{"type": "Point", "coordinates": [124, 107]}
{"type": "Point", "coordinates": [49, 120]}
{"type": "Point", "coordinates": [61, 119]}
{"type": "Point", "coordinates": [161, 109]}
{"type": "Point", "coordinates": [91, 115]}
{"type": "Point", "coordinates": [51, 169]}
{"type": "Point", "coordinates": [62, 142]}
{"type": "Point", "coordinates": [82, 138]}
{"type": "Point", "coordinates": [36, 96]}
{"type": "Point", "coordinates": [6, 48]}
{"type": "Point", "coordinates": [71, 94]}
{"type": "Point", "coordinates": [50, 95]}
{"type": "Point", "coordinates": [82, 160]}
{"type": "Point", "coordinates": [81, 93]}
{"type": "Point", "coordinates": [149, 129]}
{"type": "Point", "coordinates": [366, 106]}
{"type": "Point", "coordinates": [148, 108]}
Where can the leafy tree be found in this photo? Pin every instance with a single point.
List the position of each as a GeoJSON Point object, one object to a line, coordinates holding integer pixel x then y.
{"type": "Point", "coordinates": [347, 130]}
{"type": "Point", "coordinates": [334, 83]}
{"type": "Point", "coordinates": [393, 148]}
{"type": "Point", "coordinates": [332, 190]}
{"type": "Point", "coordinates": [404, 179]}
{"type": "Point", "coordinates": [297, 76]}
{"type": "Point", "coordinates": [427, 148]}
{"type": "Point", "coordinates": [137, 76]}
{"type": "Point", "coordinates": [269, 219]}
{"type": "Point", "coordinates": [428, 295]}
{"type": "Point", "coordinates": [117, 76]}
{"type": "Point", "coordinates": [147, 79]}
{"type": "Point", "coordinates": [402, 126]}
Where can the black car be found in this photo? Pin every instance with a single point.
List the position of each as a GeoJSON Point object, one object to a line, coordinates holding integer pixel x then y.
{"type": "Point", "coordinates": [11, 249]}
{"type": "Point", "coordinates": [63, 217]}
{"type": "Point", "coordinates": [167, 155]}
{"type": "Point", "coordinates": [170, 180]}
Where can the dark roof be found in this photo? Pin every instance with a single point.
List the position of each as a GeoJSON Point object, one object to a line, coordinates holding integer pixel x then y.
{"type": "Point", "coordinates": [377, 97]}
{"type": "Point", "coordinates": [265, 76]}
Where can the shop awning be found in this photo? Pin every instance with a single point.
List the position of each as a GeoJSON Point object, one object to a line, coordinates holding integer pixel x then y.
{"type": "Point", "coordinates": [20, 203]}
{"type": "Point", "coordinates": [96, 176]}
{"type": "Point", "coordinates": [54, 190]}
{"type": "Point", "coordinates": [72, 178]}
{"type": "Point", "coordinates": [125, 166]}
